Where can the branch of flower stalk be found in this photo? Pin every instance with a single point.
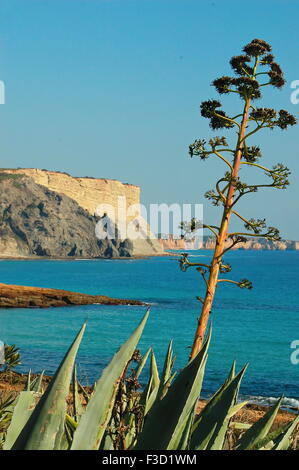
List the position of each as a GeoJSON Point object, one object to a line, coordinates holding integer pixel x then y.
{"type": "Point", "coordinates": [203, 273]}
{"type": "Point", "coordinates": [212, 227]}
{"type": "Point", "coordinates": [242, 218]}
{"type": "Point", "coordinates": [234, 91]}
{"type": "Point", "coordinates": [225, 118]}
{"type": "Point", "coordinates": [269, 126]}
{"type": "Point", "coordinates": [219, 190]}
{"type": "Point", "coordinates": [272, 173]}
{"type": "Point", "coordinates": [185, 263]}
{"type": "Point", "coordinates": [238, 115]}
{"type": "Point", "coordinates": [254, 187]}
{"type": "Point", "coordinates": [241, 195]}
{"type": "Point", "coordinates": [223, 159]}
{"type": "Point", "coordinates": [257, 235]}
{"type": "Point", "coordinates": [226, 150]}
{"type": "Point", "coordinates": [245, 71]}
{"type": "Point", "coordinates": [234, 243]}
{"type": "Point", "coordinates": [272, 185]}
{"type": "Point", "coordinates": [243, 284]}
{"type": "Point", "coordinates": [197, 264]}
{"type": "Point", "coordinates": [258, 166]}
{"type": "Point", "coordinates": [228, 280]}
{"type": "Point", "coordinates": [261, 73]}
{"type": "Point", "coordinates": [225, 268]}
{"type": "Point", "coordinates": [259, 127]}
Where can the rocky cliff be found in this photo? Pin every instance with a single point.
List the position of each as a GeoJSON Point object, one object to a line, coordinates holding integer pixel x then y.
{"type": "Point", "coordinates": [88, 192]}
{"type": "Point", "coordinates": [69, 228]}
{"type": "Point", "coordinates": [35, 221]}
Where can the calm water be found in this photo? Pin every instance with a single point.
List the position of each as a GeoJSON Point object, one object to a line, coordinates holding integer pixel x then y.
{"type": "Point", "coordinates": [255, 326]}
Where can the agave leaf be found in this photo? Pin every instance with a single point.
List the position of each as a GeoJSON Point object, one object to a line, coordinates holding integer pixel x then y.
{"type": "Point", "coordinates": [154, 370]}
{"type": "Point", "coordinates": [92, 425]}
{"type": "Point", "coordinates": [154, 383]}
{"type": "Point", "coordinates": [240, 426]}
{"type": "Point", "coordinates": [146, 394]}
{"type": "Point", "coordinates": [177, 441]}
{"type": "Point", "coordinates": [259, 430]}
{"type": "Point", "coordinates": [185, 431]}
{"type": "Point", "coordinates": [218, 410]}
{"type": "Point", "coordinates": [86, 395]}
{"type": "Point", "coordinates": [169, 414]}
{"type": "Point", "coordinates": [28, 383]}
{"type": "Point", "coordinates": [283, 440]}
{"type": "Point", "coordinates": [142, 363]}
{"type": "Point", "coordinates": [167, 376]}
{"type": "Point", "coordinates": [71, 422]}
{"type": "Point", "coordinates": [46, 424]}
{"type": "Point", "coordinates": [220, 436]}
{"type": "Point", "coordinates": [211, 402]}
{"type": "Point", "coordinates": [216, 395]}
{"type": "Point", "coordinates": [78, 408]}
{"type": "Point", "coordinates": [131, 430]}
{"type": "Point", "coordinates": [24, 406]}
{"type": "Point", "coordinates": [234, 409]}
{"type": "Point", "coordinates": [268, 442]}
{"type": "Point", "coordinates": [205, 442]}
{"type": "Point", "coordinates": [37, 386]}
{"type": "Point", "coordinates": [107, 443]}
{"type": "Point", "coordinates": [232, 372]}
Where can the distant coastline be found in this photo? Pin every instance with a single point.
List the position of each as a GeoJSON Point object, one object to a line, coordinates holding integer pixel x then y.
{"type": "Point", "coordinates": [208, 243]}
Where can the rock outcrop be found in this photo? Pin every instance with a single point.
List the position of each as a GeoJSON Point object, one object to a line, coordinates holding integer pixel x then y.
{"type": "Point", "coordinates": [35, 221]}
{"type": "Point", "coordinates": [52, 214]}
{"type": "Point", "coordinates": [88, 192]}
{"type": "Point", "coordinates": [12, 296]}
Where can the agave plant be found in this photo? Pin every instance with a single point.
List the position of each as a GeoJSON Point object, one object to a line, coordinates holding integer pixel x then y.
{"type": "Point", "coordinates": [12, 357]}
{"type": "Point", "coordinates": [113, 416]}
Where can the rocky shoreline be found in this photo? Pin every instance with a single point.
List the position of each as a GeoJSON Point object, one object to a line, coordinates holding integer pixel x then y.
{"type": "Point", "coordinates": [13, 296]}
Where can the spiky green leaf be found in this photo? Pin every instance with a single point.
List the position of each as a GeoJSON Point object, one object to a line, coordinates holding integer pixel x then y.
{"type": "Point", "coordinates": [45, 426]}
{"type": "Point", "coordinates": [92, 425]}
{"type": "Point", "coordinates": [217, 411]}
{"type": "Point", "coordinates": [170, 414]}
{"type": "Point", "coordinates": [259, 430]}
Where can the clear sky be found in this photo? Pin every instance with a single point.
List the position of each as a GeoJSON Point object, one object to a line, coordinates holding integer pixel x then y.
{"type": "Point", "coordinates": [111, 88]}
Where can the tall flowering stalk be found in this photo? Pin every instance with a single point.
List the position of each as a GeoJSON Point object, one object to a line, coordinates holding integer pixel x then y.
{"type": "Point", "coordinates": [254, 69]}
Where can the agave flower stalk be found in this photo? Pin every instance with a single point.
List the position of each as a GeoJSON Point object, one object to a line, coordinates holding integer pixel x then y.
{"type": "Point", "coordinates": [251, 70]}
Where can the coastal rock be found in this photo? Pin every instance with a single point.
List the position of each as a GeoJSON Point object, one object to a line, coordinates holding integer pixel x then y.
{"type": "Point", "coordinates": [89, 193]}
{"type": "Point", "coordinates": [37, 222]}
{"type": "Point", "coordinates": [12, 296]}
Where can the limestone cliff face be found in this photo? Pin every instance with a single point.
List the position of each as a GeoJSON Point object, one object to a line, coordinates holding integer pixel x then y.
{"type": "Point", "coordinates": [35, 221]}
{"type": "Point", "coordinates": [172, 243]}
{"type": "Point", "coordinates": [89, 194]}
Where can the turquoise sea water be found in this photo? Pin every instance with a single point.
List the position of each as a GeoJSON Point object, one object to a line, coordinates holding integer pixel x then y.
{"type": "Point", "coordinates": [254, 326]}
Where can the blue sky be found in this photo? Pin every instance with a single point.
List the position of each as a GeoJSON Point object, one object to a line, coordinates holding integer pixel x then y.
{"type": "Point", "coordinates": [111, 88]}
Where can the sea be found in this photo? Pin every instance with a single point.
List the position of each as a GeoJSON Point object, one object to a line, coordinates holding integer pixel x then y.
{"type": "Point", "coordinates": [258, 326]}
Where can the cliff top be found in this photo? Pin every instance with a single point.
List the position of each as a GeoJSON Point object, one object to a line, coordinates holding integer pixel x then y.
{"type": "Point", "coordinates": [51, 172]}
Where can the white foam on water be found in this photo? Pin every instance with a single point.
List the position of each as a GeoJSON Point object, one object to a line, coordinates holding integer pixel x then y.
{"type": "Point", "coordinates": [288, 403]}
